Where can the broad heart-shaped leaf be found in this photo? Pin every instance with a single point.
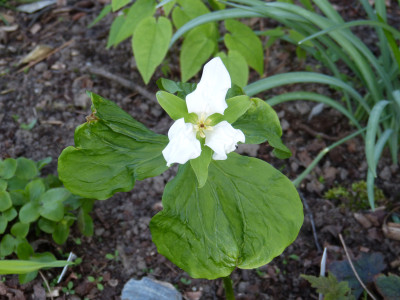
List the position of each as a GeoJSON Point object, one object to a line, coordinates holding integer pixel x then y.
{"type": "Point", "coordinates": [20, 229]}
{"type": "Point", "coordinates": [111, 151]}
{"type": "Point", "coordinates": [197, 48]}
{"type": "Point", "coordinates": [26, 169]}
{"type": "Point", "coordinates": [7, 245]}
{"type": "Point", "coordinates": [7, 168]}
{"type": "Point", "coordinates": [187, 10]}
{"type": "Point", "coordinates": [124, 26]}
{"type": "Point", "coordinates": [174, 106]}
{"type": "Point", "coordinates": [388, 286]}
{"type": "Point", "coordinates": [261, 123]}
{"type": "Point", "coordinates": [61, 232]}
{"type": "Point", "coordinates": [246, 214]}
{"type": "Point", "coordinates": [150, 44]}
{"type": "Point", "coordinates": [237, 67]}
{"type": "Point", "coordinates": [35, 189]}
{"type": "Point", "coordinates": [29, 212]}
{"type": "Point", "coordinates": [245, 41]}
{"type": "Point", "coordinates": [117, 4]}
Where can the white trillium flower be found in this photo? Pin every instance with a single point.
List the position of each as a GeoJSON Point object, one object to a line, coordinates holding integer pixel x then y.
{"type": "Point", "coordinates": [207, 99]}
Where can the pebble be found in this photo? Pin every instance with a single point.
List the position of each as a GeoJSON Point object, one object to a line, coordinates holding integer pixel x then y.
{"type": "Point", "coordinates": [242, 287]}
{"type": "Point", "coordinates": [149, 289]}
{"type": "Point", "coordinates": [40, 67]}
{"type": "Point", "coordinates": [250, 150]}
{"type": "Point", "coordinates": [385, 174]}
{"type": "Point", "coordinates": [81, 100]}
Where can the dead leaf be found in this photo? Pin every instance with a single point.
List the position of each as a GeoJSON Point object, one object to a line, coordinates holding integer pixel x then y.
{"type": "Point", "coordinates": [10, 28]}
{"type": "Point", "coordinates": [35, 28]}
{"type": "Point", "coordinates": [362, 220]}
{"type": "Point", "coordinates": [193, 295]}
{"type": "Point", "coordinates": [35, 6]}
{"type": "Point", "coordinates": [392, 230]}
{"type": "Point", "coordinates": [39, 52]}
{"type": "Point", "coordinates": [8, 18]}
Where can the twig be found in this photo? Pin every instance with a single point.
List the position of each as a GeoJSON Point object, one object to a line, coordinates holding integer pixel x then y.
{"type": "Point", "coordinates": [122, 81]}
{"type": "Point", "coordinates": [316, 133]}
{"type": "Point", "coordinates": [309, 214]}
{"type": "Point", "coordinates": [47, 285]}
{"type": "Point", "coordinates": [354, 269]}
{"type": "Point", "coordinates": [31, 64]}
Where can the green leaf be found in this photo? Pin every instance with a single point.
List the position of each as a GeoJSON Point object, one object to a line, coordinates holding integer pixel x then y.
{"type": "Point", "coordinates": [26, 266]}
{"type": "Point", "coordinates": [5, 200]}
{"type": "Point", "coordinates": [46, 225]}
{"type": "Point", "coordinates": [19, 197]}
{"type": "Point", "coordinates": [174, 106]}
{"type": "Point", "coordinates": [259, 124]}
{"type": "Point", "coordinates": [26, 169]}
{"type": "Point", "coordinates": [43, 162]}
{"type": "Point", "coordinates": [25, 278]}
{"type": "Point", "coordinates": [388, 286]}
{"type": "Point", "coordinates": [3, 185]}
{"type": "Point", "coordinates": [24, 249]}
{"type": "Point", "coordinates": [198, 46]}
{"type": "Point", "coordinates": [35, 189]}
{"type": "Point", "coordinates": [124, 26]}
{"type": "Point", "coordinates": [245, 41]}
{"type": "Point", "coordinates": [237, 106]}
{"type": "Point", "coordinates": [237, 67]}
{"type": "Point", "coordinates": [150, 44]}
{"type": "Point", "coordinates": [60, 233]}
{"type": "Point", "coordinates": [111, 151]}
{"type": "Point", "coordinates": [117, 4]}
{"type": "Point", "coordinates": [200, 165]}
{"type": "Point", "coordinates": [51, 204]}
{"type": "Point", "coordinates": [104, 12]}
{"type": "Point", "coordinates": [182, 89]}
{"type": "Point", "coordinates": [3, 224]}
{"type": "Point", "coordinates": [7, 245]}
{"type": "Point", "coordinates": [10, 214]}
{"type": "Point", "coordinates": [330, 287]}
{"type": "Point", "coordinates": [246, 214]}
{"type": "Point", "coordinates": [187, 10]}
{"type": "Point", "coordinates": [7, 168]}
{"type": "Point", "coordinates": [20, 230]}
{"type": "Point", "coordinates": [29, 212]}
{"type": "Point", "coordinates": [16, 183]}
{"type": "Point", "coordinates": [85, 223]}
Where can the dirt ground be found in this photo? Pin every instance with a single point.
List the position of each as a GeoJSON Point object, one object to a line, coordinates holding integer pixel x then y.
{"type": "Point", "coordinates": [53, 93]}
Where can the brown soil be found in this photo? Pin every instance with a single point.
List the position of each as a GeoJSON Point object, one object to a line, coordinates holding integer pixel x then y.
{"type": "Point", "coordinates": [52, 92]}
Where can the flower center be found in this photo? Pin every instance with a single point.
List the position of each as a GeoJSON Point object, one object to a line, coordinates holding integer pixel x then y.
{"type": "Point", "coordinates": [202, 125]}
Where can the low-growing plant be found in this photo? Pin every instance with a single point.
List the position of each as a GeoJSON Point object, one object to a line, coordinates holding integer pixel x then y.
{"type": "Point", "coordinates": [222, 210]}
{"type": "Point", "coordinates": [31, 206]}
{"type": "Point", "coordinates": [355, 196]}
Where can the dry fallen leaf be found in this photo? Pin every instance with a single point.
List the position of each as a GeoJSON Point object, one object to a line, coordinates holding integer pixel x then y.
{"type": "Point", "coordinates": [39, 52]}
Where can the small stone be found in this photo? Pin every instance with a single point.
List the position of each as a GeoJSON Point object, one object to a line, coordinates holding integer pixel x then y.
{"type": "Point", "coordinates": [81, 100]}
{"type": "Point", "coordinates": [284, 124]}
{"type": "Point", "coordinates": [99, 231]}
{"type": "Point", "coordinates": [250, 150]}
{"type": "Point", "coordinates": [385, 174]}
{"type": "Point", "coordinates": [149, 289]}
{"type": "Point", "coordinates": [302, 107]}
{"type": "Point", "coordinates": [242, 288]}
{"type": "Point", "coordinates": [40, 67]}
{"type": "Point", "coordinates": [158, 184]}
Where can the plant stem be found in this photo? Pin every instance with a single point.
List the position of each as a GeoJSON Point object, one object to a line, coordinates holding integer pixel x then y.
{"type": "Point", "coordinates": [228, 288]}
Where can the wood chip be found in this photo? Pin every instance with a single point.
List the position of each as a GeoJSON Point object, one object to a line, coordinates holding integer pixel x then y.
{"type": "Point", "coordinates": [391, 230]}
{"type": "Point", "coordinates": [362, 220]}
{"type": "Point", "coordinates": [39, 52]}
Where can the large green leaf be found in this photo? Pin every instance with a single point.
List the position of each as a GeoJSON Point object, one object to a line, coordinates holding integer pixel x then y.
{"type": "Point", "coordinates": [150, 44]}
{"type": "Point", "coordinates": [188, 10]}
{"type": "Point", "coordinates": [124, 26]}
{"type": "Point", "coordinates": [245, 41]}
{"type": "Point", "coordinates": [259, 124]}
{"type": "Point", "coordinates": [197, 48]}
{"type": "Point", "coordinates": [237, 67]}
{"type": "Point", "coordinates": [111, 151]}
{"type": "Point", "coordinates": [117, 4]}
{"type": "Point", "coordinates": [246, 214]}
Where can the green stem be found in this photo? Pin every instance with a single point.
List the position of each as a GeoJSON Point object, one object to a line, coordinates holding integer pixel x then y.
{"type": "Point", "coordinates": [228, 288]}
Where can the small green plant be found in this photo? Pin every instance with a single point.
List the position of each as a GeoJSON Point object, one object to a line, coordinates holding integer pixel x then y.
{"type": "Point", "coordinates": [69, 289]}
{"type": "Point", "coordinates": [32, 205]}
{"type": "Point", "coordinates": [97, 281]}
{"type": "Point", "coordinates": [356, 196]}
{"type": "Point", "coordinates": [113, 256]}
{"type": "Point", "coordinates": [185, 281]}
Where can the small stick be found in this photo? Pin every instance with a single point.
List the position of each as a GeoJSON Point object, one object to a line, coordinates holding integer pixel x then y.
{"type": "Point", "coordinates": [354, 269]}
{"type": "Point", "coordinates": [32, 63]}
{"type": "Point", "coordinates": [47, 284]}
{"type": "Point", "coordinates": [71, 257]}
{"type": "Point", "coordinates": [309, 213]}
{"type": "Point", "coordinates": [124, 82]}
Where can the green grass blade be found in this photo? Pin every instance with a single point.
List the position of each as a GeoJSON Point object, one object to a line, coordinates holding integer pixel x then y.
{"type": "Point", "coordinates": [292, 96]}
{"type": "Point", "coordinates": [302, 77]}
{"type": "Point", "coordinates": [372, 129]}
{"type": "Point", "coordinates": [370, 175]}
{"type": "Point", "coordinates": [212, 17]}
{"type": "Point", "coordinates": [26, 266]}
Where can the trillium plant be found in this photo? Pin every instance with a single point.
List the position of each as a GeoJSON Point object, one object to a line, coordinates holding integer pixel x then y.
{"type": "Point", "coordinates": [222, 210]}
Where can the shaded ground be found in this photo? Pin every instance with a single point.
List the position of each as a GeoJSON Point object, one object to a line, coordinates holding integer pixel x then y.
{"type": "Point", "coordinates": [53, 92]}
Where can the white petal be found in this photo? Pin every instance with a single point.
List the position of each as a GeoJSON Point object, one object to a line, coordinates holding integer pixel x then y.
{"type": "Point", "coordinates": [209, 96]}
{"type": "Point", "coordinates": [223, 139]}
{"type": "Point", "coordinates": [182, 145]}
